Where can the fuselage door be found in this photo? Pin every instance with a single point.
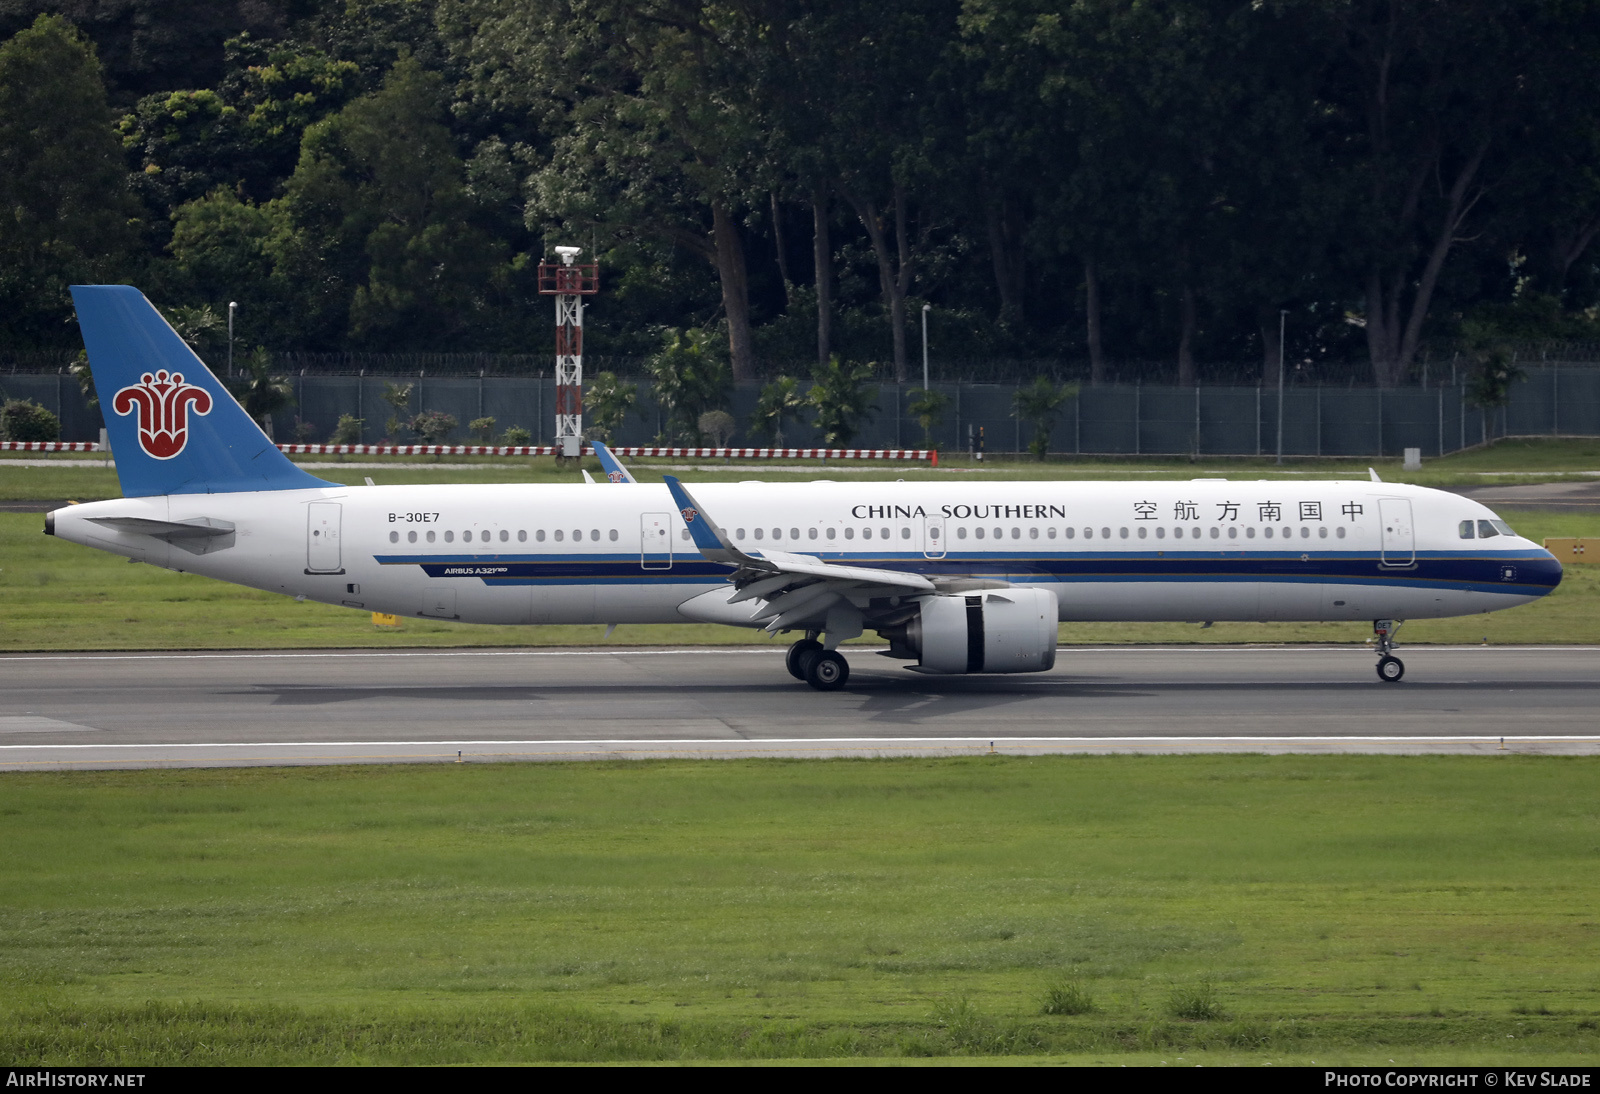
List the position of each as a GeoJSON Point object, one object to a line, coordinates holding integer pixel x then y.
{"type": "Point", "coordinates": [655, 541]}
{"type": "Point", "coordinates": [322, 537]}
{"type": "Point", "coordinates": [1399, 537]}
{"type": "Point", "coordinates": [933, 537]}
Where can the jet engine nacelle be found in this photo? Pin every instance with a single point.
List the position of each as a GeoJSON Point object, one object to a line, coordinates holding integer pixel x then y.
{"type": "Point", "coordinates": [1002, 630]}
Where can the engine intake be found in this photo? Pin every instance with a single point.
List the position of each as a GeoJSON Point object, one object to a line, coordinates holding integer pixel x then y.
{"type": "Point", "coordinates": [1007, 630]}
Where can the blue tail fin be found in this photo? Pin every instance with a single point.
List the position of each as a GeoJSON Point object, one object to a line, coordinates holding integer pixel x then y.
{"type": "Point", "coordinates": [174, 428]}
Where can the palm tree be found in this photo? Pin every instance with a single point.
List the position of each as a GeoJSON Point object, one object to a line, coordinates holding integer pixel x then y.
{"type": "Point", "coordinates": [260, 393]}
{"type": "Point", "coordinates": [1039, 404]}
{"type": "Point", "coordinates": [779, 400]}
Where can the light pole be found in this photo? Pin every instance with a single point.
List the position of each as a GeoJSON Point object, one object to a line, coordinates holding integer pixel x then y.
{"type": "Point", "coordinates": [233, 306]}
{"type": "Point", "coordinates": [925, 309]}
{"type": "Point", "coordinates": [1283, 315]}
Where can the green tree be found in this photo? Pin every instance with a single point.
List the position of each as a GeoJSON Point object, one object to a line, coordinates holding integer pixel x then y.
{"type": "Point", "coordinates": [1038, 404]}
{"type": "Point", "coordinates": [261, 393]}
{"type": "Point", "coordinates": [607, 404]}
{"type": "Point", "coordinates": [382, 233]}
{"type": "Point", "coordinates": [399, 397]}
{"type": "Point", "coordinates": [433, 426]}
{"type": "Point", "coordinates": [841, 399]}
{"type": "Point", "coordinates": [482, 429]}
{"type": "Point", "coordinates": [21, 420]}
{"type": "Point", "coordinates": [689, 379]}
{"type": "Point", "coordinates": [347, 430]}
{"type": "Point", "coordinates": [645, 107]}
{"type": "Point", "coordinates": [779, 400]}
{"type": "Point", "coordinates": [927, 407]}
{"type": "Point", "coordinates": [65, 213]}
{"type": "Point", "coordinates": [718, 426]}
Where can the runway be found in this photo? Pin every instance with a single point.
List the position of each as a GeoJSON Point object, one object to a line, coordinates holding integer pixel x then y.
{"type": "Point", "coordinates": [97, 711]}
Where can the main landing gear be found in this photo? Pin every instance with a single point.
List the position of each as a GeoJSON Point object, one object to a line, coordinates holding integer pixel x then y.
{"type": "Point", "coordinates": [822, 668]}
{"type": "Point", "coordinates": [1390, 667]}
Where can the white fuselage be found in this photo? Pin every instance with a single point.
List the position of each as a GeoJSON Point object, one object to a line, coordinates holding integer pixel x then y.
{"type": "Point", "coordinates": [527, 554]}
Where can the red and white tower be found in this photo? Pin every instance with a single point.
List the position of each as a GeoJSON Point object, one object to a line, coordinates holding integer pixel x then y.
{"type": "Point", "coordinates": [569, 283]}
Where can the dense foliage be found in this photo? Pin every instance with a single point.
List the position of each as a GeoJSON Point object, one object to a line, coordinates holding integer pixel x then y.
{"type": "Point", "coordinates": [1098, 180]}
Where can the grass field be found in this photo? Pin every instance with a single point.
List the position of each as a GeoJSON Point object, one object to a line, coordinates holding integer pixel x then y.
{"type": "Point", "coordinates": [58, 595]}
{"type": "Point", "coordinates": [1336, 909]}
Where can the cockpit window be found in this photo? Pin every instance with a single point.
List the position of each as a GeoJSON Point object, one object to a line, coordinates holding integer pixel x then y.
{"type": "Point", "coordinates": [1468, 529]}
{"type": "Point", "coordinates": [1505, 529]}
{"type": "Point", "coordinates": [1486, 529]}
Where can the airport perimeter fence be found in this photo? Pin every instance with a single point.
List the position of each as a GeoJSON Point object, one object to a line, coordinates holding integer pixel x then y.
{"type": "Point", "coordinates": [1104, 420]}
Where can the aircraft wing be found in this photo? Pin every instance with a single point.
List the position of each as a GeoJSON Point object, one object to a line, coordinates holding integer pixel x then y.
{"type": "Point", "coordinates": [795, 588]}
{"type": "Point", "coordinates": [609, 463]}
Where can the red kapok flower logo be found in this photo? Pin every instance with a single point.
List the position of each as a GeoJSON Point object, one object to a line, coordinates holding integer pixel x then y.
{"type": "Point", "coordinates": [162, 403]}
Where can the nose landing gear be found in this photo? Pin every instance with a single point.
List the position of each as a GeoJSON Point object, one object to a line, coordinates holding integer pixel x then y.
{"type": "Point", "coordinates": [822, 668]}
{"type": "Point", "coordinates": [1390, 667]}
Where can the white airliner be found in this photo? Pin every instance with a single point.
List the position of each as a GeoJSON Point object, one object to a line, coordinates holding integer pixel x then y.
{"type": "Point", "coordinates": [959, 577]}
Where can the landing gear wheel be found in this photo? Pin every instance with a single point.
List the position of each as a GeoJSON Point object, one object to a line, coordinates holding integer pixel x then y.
{"type": "Point", "coordinates": [1390, 669]}
{"type": "Point", "coordinates": [827, 671]}
{"type": "Point", "coordinates": [795, 661]}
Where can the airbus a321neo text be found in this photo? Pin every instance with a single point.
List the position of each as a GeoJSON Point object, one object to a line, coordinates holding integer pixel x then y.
{"type": "Point", "coordinates": [958, 577]}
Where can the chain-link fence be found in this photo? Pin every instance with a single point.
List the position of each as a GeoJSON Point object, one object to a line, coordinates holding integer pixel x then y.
{"type": "Point", "coordinates": [1108, 419]}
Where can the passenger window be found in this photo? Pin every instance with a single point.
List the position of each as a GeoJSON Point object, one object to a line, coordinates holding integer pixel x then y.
{"type": "Point", "coordinates": [739, 534]}
{"type": "Point", "coordinates": [1033, 533]}
{"type": "Point", "coordinates": [394, 537]}
{"type": "Point", "coordinates": [1267, 531]}
{"type": "Point", "coordinates": [1050, 531]}
{"type": "Point", "coordinates": [1216, 533]}
{"type": "Point", "coordinates": [1123, 532]}
{"type": "Point", "coordinates": [1088, 533]}
{"type": "Point", "coordinates": [777, 533]}
{"type": "Point", "coordinates": [811, 533]}
{"type": "Point", "coordinates": [522, 535]}
{"type": "Point", "coordinates": [1466, 529]}
{"type": "Point", "coordinates": [1070, 532]}
{"type": "Point", "coordinates": [883, 533]}
{"type": "Point", "coordinates": [866, 533]}
{"type": "Point", "coordinates": [760, 533]}
{"type": "Point", "coordinates": [1194, 533]}
{"type": "Point", "coordinates": [613, 535]}
{"type": "Point", "coordinates": [1233, 532]}
{"type": "Point", "coordinates": [560, 535]}
{"type": "Point", "coordinates": [1250, 533]}
{"type": "Point", "coordinates": [961, 533]}
{"type": "Point", "coordinates": [999, 533]}
{"type": "Point", "coordinates": [1305, 533]}
{"type": "Point", "coordinates": [1322, 532]}
{"type": "Point", "coordinates": [539, 535]}
{"type": "Point", "coordinates": [430, 536]}
{"type": "Point", "coordinates": [411, 537]}
{"type": "Point", "coordinates": [849, 533]}
{"type": "Point", "coordinates": [1339, 531]}
{"type": "Point", "coordinates": [577, 535]}
{"type": "Point", "coordinates": [1105, 533]}
{"type": "Point", "coordinates": [1177, 533]}
{"type": "Point", "coordinates": [449, 537]}
{"type": "Point", "coordinates": [683, 534]}
{"type": "Point", "coordinates": [794, 533]}
{"type": "Point", "coordinates": [933, 534]}
{"type": "Point", "coordinates": [905, 533]}
{"type": "Point", "coordinates": [977, 533]}
{"type": "Point", "coordinates": [504, 535]}
{"type": "Point", "coordinates": [832, 532]}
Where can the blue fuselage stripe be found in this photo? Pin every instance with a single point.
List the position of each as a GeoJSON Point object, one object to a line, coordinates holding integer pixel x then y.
{"type": "Point", "coordinates": [1521, 573]}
